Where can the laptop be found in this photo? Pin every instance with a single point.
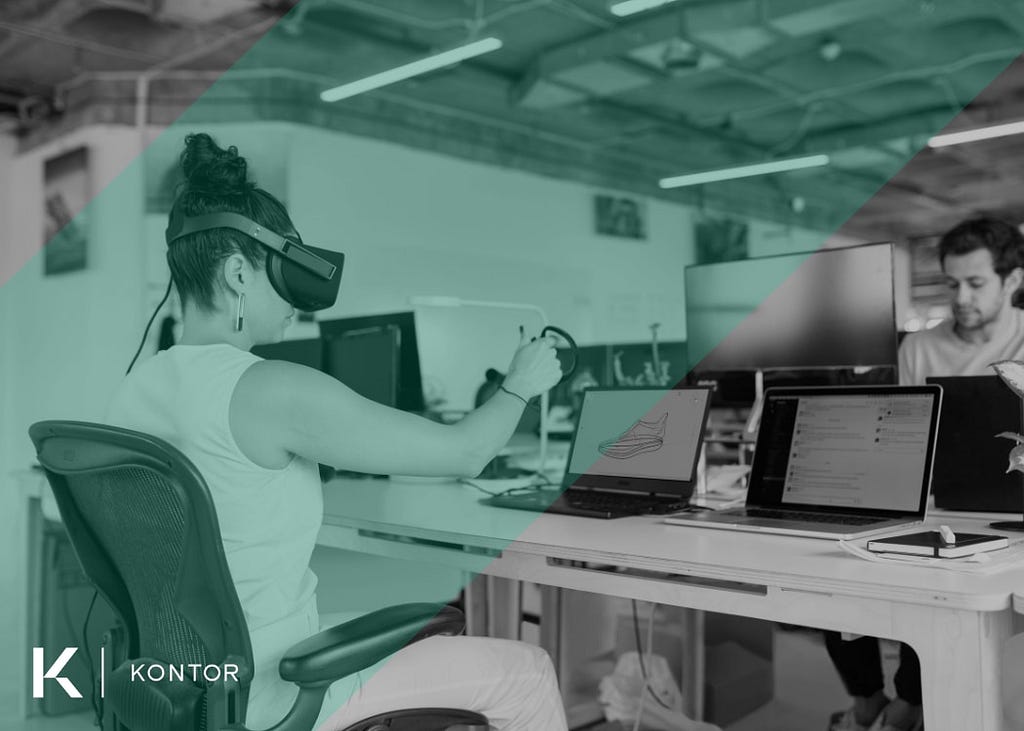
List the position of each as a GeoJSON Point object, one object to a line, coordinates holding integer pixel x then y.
{"type": "Point", "coordinates": [970, 460]}
{"type": "Point", "coordinates": [837, 462]}
{"type": "Point", "coordinates": [634, 451]}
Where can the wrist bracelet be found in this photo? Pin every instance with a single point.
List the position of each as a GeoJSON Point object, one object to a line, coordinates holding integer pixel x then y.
{"type": "Point", "coordinates": [502, 388]}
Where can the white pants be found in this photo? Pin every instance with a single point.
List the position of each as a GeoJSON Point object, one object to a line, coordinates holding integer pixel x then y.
{"type": "Point", "coordinates": [512, 683]}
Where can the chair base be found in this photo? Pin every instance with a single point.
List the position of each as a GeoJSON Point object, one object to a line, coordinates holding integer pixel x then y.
{"type": "Point", "coordinates": [423, 719]}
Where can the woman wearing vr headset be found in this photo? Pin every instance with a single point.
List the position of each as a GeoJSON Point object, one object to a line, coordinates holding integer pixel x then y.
{"type": "Point", "coordinates": [257, 429]}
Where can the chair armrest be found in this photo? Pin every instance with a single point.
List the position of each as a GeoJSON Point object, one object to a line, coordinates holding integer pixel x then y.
{"type": "Point", "coordinates": [352, 646]}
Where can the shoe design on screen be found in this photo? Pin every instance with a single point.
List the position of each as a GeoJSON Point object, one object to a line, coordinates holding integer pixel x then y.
{"type": "Point", "coordinates": [642, 437]}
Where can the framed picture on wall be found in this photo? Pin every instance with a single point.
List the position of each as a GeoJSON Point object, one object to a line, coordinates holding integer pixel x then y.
{"type": "Point", "coordinates": [720, 239]}
{"type": "Point", "coordinates": [620, 216]}
{"type": "Point", "coordinates": [65, 194]}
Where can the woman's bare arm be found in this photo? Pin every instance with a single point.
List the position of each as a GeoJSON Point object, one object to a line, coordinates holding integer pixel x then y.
{"type": "Point", "coordinates": [280, 408]}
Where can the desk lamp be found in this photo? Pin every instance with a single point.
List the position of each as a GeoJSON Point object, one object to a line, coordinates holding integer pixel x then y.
{"type": "Point", "coordinates": [441, 301]}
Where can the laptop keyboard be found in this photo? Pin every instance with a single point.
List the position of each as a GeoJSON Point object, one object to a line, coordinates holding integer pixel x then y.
{"type": "Point", "coordinates": [620, 503]}
{"type": "Point", "coordinates": [806, 517]}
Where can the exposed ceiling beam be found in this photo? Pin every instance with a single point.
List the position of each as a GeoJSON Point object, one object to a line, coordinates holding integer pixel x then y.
{"type": "Point", "coordinates": [757, 24]}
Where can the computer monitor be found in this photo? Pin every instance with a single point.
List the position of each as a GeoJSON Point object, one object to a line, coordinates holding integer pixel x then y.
{"type": "Point", "coordinates": [366, 361]}
{"type": "Point", "coordinates": [828, 309]}
{"type": "Point", "coordinates": [307, 352]}
{"type": "Point", "coordinates": [377, 357]}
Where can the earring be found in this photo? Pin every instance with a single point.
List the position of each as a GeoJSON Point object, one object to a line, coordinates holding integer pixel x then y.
{"type": "Point", "coordinates": [239, 313]}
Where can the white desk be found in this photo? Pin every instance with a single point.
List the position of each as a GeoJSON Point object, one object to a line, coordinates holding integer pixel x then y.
{"type": "Point", "coordinates": [957, 623]}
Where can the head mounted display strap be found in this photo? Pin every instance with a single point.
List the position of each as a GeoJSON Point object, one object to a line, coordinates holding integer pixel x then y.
{"type": "Point", "coordinates": [294, 252]}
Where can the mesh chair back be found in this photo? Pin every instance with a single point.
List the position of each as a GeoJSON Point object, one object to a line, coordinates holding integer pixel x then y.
{"type": "Point", "coordinates": [142, 522]}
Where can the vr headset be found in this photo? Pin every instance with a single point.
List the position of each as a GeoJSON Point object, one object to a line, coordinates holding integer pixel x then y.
{"type": "Point", "coordinates": [306, 277]}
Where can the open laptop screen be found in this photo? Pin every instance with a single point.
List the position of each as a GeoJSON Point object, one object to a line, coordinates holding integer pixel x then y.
{"type": "Point", "coordinates": [639, 439]}
{"type": "Point", "coordinates": [866, 449]}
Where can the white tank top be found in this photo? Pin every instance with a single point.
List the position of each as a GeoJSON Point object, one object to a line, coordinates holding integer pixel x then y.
{"type": "Point", "coordinates": [269, 518]}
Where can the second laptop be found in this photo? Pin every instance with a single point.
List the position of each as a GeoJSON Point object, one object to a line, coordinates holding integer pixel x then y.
{"type": "Point", "coordinates": [837, 462]}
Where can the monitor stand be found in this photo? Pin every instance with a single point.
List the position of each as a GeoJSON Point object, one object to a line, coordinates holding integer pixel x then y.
{"type": "Point", "coordinates": [1008, 525]}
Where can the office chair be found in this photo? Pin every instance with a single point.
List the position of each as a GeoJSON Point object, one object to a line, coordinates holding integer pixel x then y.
{"type": "Point", "coordinates": [143, 524]}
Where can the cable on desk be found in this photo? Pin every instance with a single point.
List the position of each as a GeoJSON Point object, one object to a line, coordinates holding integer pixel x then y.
{"type": "Point", "coordinates": [510, 491]}
{"type": "Point", "coordinates": [527, 488]}
{"type": "Point", "coordinates": [465, 481]}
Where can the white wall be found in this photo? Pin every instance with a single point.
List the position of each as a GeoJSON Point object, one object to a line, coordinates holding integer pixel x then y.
{"type": "Point", "coordinates": [411, 223]}
{"type": "Point", "coordinates": [64, 339]}
{"type": "Point", "coordinates": [415, 223]}
{"type": "Point", "coordinates": [8, 264]}
{"type": "Point", "coordinates": [69, 336]}
{"type": "Point", "coordinates": [12, 563]}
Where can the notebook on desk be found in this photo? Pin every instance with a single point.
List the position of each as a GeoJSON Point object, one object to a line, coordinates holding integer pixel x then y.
{"type": "Point", "coordinates": [633, 451]}
{"type": "Point", "coordinates": [837, 462]}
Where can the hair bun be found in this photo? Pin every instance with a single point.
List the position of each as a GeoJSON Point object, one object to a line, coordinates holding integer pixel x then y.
{"type": "Point", "coordinates": [213, 170]}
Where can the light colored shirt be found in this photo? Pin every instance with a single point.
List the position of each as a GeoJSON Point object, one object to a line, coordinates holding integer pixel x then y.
{"type": "Point", "coordinates": [269, 518]}
{"type": "Point", "coordinates": [941, 352]}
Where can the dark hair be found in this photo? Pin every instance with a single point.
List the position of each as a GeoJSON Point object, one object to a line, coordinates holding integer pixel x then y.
{"type": "Point", "coordinates": [1004, 242]}
{"type": "Point", "coordinates": [216, 180]}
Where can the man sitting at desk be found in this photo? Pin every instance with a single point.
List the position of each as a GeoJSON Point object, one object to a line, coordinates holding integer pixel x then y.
{"type": "Point", "coordinates": [982, 260]}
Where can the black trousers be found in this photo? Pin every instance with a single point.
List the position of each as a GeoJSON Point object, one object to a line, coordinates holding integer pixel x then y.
{"type": "Point", "coordinates": [859, 663]}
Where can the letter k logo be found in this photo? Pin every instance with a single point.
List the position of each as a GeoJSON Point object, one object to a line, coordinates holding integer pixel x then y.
{"type": "Point", "coordinates": [39, 675]}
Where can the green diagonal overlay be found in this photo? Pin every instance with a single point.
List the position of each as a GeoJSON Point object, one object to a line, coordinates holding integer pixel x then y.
{"type": "Point", "coordinates": [68, 337]}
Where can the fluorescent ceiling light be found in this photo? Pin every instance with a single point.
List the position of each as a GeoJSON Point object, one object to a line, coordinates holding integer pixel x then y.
{"type": "Point", "coordinates": [629, 7]}
{"type": "Point", "coordinates": [744, 171]}
{"type": "Point", "coordinates": [973, 135]}
{"type": "Point", "coordinates": [422, 66]}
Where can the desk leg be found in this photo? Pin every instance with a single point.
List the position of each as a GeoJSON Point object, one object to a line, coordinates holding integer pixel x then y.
{"type": "Point", "coordinates": [474, 596]}
{"type": "Point", "coordinates": [959, 653]}
{"type": "Point", "coordinates": [493, 607]}
{"type": "Point", "coordinates": [504, 608]}
{"type": "Point", "coordinates": [551, 636]}
{"type": "Point", "coordinates": [693, 663]}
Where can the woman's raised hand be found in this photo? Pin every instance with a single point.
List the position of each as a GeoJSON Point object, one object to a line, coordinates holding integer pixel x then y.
{"type": "Point", "coordinates": [534, 368]}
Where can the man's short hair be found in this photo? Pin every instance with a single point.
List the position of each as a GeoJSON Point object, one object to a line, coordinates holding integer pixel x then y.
{"type": "Point", "coordinates": [1004, 242]}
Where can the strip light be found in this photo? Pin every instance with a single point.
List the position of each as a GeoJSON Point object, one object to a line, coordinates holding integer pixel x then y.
{"type": "Point", "coordinates": [629, 7]}
{"type": "Point", "coordinates": [973, 135]}
{"type": "Point", "coordinates": [415, 68]}
{"type": "Point", "coordinates": [744, 171]}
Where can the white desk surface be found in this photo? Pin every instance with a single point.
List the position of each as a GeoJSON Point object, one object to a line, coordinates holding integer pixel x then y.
{"type": "Point", "coordinates": [958, 623]}
{"type": "Point", "coordinates": [452, 513]}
